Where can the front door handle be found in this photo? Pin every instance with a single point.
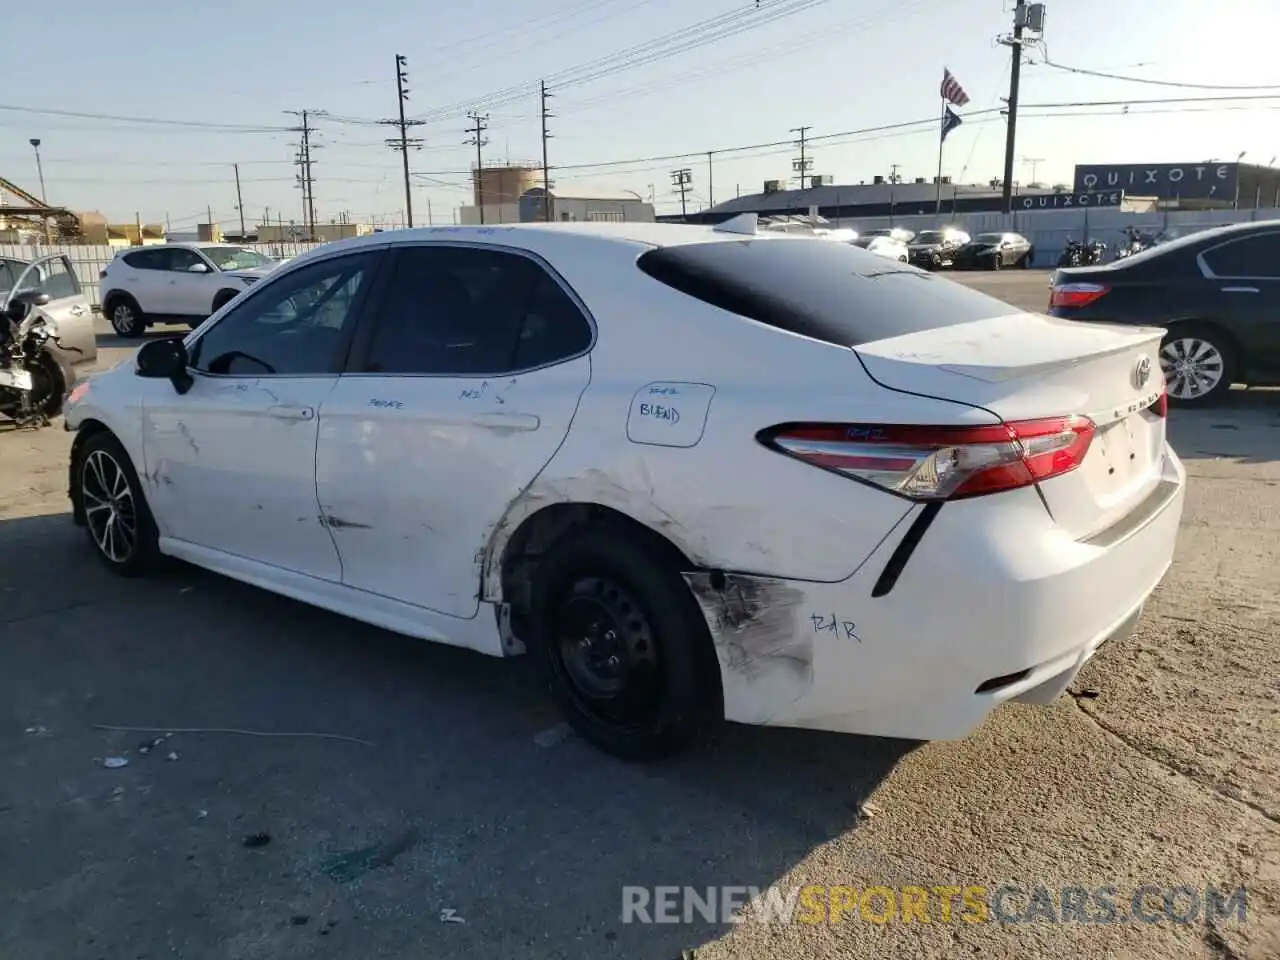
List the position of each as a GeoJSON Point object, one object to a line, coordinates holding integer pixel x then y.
{"type": "Point", "coordinates": [508, 421]}
{"type": "Point", "coordinates": [77, 311]}
{"type": "Point", "coordinates": [285, 412]}
{"type": "Point", "coordinates": [1239, 289]}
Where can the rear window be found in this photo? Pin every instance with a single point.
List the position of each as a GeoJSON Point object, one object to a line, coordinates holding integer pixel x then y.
{"type": "Point", "coordinates": [833, 292]}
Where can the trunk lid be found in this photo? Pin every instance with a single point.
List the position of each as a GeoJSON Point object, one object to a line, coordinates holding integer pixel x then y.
{"type": "Point", "coordinates": [1029, 366]}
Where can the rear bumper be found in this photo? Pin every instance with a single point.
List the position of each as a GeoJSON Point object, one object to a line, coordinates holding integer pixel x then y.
{"type": "Point", "coordinates": [994, 590]}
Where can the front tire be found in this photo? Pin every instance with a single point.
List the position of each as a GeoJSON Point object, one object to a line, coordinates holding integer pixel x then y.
{"type": "Point", "coordinates": [1199, 364]}
{"type": "Point", "coordinates": [117, 518]}
{"type": "Point", "coordinates": [622, 644]}
{"type": "Point", "coordinates": [126, 317]}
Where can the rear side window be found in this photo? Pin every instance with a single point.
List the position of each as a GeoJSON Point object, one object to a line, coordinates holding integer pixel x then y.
{"type": "Point", "coordinates": [1257, 256]}
{"type": "Point", "coordinates": [833, 292]}
{"type": "Point", "coordinates": [146, 259]}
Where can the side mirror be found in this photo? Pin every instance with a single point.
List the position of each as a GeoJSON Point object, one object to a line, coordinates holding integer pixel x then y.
{"type": "Point", "coordinates": [165, 360]}
{"type": "Point", "coordinates": [198, 268]}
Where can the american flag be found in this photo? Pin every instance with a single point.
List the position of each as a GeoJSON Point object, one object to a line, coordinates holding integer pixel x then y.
{"type": "Point", "coordinates": [952, 92]}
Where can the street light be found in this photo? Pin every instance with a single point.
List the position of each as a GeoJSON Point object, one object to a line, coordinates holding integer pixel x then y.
{"type": "Point", "coordinates": [35, 145]}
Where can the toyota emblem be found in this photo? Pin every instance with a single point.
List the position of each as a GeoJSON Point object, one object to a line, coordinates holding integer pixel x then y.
{"type": "Point", "coordinates": [1142, 372]}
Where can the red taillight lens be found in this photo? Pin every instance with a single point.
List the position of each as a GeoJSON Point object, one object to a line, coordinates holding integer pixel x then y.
{"type": "Point", "coordinates": [1161, 407]}
{"type": "Point", "coordinates": [940, 463]}
{"type": "Point", "coordinates": [1076, 294]}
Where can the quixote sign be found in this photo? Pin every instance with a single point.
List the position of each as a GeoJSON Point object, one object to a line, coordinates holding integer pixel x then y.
{"type": "Point", "coordinates": [1168, 181]}
{"type": "Point", "coordinates": [1062, 201]}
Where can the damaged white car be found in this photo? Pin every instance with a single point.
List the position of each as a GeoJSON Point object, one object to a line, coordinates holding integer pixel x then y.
{"type": "Point", "coordinates": [698, 473]}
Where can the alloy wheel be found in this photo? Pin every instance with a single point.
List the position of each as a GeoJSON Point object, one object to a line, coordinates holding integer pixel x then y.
{"type": "Point", "coordinates": [110, 509]}
{"type": "Point", "coordinates": [122, 319]}
{"type": "Point", "coordinates": [1193, 367]}
{"type": "Point", "coordinates": [605, 648]}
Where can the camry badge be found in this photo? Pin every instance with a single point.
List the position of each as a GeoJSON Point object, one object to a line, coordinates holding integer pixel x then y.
{"type": "Point", "coordinates": [1142, 372]}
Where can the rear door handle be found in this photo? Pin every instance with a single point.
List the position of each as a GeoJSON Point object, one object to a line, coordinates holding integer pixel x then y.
{"type": "Point", "coordinates": [1239, 289]}
{"type": "Point", "coordinates": [285, 412]}
{"type": "Point", "coordinates": [77, 311]}
{"type": "Point", "coordinates": [508, 421]}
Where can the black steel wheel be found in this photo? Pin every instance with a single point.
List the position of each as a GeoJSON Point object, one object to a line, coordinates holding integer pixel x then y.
{"type": "Point", "coordinates": [622, 644]}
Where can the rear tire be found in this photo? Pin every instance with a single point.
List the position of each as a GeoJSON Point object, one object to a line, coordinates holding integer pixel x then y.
{"type": "Point", "coordinates": [117, 518]}
{"type": "Point", "coordinates": [1199, 363]}
{"type": "Point", "coordinates": [127, 318]}
{"type": "Point", "coordinates": [622, 644]}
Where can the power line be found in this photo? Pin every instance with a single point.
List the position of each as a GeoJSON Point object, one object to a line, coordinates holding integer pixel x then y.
{"type": "Point", "coordinates": [200, 124]}
{"type": "Point", "coordinates": [660, 48]}
{"type": "Point", "coordinates": [1157, 83]}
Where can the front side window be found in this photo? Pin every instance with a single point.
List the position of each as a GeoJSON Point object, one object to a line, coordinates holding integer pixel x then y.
{"type": "Point", "coordinates": [235, 258]}
{"type": "Point", "coordinates": [58, 280]}
{"type": "Point", "coordinates": [1257, 256]}
{"type": "Point", "coordinates": [296, 324]}
{"type": "Point", "coordinates": [464, 311]}
{"type": "Point", "coordinates": [182, 260]}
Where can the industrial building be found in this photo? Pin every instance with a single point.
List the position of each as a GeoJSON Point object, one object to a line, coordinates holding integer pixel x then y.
{"type": "Point", "coordinates": [514, 193]}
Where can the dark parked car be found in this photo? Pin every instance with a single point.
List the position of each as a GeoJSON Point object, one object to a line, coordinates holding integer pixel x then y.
{"type": "Point", "coordinates": [1217, 292]}
{"type": "Point", "coordinates": [935, 249]}
{"type": "Point", "coordinates": [994, 251]}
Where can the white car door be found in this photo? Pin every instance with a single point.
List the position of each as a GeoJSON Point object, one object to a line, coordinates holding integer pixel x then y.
{"type": "Point", "coordinates": [231, 463]}
{"type": "Point", "coordinates": [193, 283]}
{"type": "Point", "coordinates": [68, 313]}
{"type": "Point", "coordinates": [460, 389]}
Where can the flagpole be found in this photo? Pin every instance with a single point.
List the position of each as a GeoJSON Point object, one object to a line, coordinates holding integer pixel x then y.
{"type": "Point", "coordinates": [942, 132]}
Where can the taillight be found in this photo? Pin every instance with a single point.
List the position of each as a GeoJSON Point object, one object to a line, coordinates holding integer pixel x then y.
{"type": "Point", "coordinates": [1076, 294]}
{"type": "Point", "coordinates": [1161, 407]}
{"type": "Point", "coordinates": [940, 463]}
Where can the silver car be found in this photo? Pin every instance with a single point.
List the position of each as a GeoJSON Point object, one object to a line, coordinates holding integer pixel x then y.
{"type": "Point", "coordinates": [67, 311]}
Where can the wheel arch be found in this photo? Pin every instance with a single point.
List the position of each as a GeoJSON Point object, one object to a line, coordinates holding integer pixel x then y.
{"type": "Point", "coordinates": [519, 540]}
{"type": "Point", "coordinates": [223, 297]}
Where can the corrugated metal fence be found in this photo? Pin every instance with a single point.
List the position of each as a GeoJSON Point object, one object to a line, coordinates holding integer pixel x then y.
{"type": "Point", "coordinates": [89, 260]}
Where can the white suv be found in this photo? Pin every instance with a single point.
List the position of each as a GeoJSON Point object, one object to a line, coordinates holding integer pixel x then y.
{"type": "Point", "coordinates": [176, 282]}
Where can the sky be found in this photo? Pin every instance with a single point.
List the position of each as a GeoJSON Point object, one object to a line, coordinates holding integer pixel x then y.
{"type": "Point", "coordinates": [634, 82]}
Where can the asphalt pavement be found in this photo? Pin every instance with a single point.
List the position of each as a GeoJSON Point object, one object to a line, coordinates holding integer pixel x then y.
{"type": "Point", "coordinates": [317, 788]}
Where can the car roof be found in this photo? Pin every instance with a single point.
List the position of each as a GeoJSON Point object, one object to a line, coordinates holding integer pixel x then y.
{"type": "Point", "coordinates": [181, 244]}
{"type": "Point", "coordinates": [540, 236]}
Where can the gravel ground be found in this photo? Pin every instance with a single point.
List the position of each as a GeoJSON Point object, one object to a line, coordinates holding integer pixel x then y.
{"type": "Point", "coordinates": [466, 796]}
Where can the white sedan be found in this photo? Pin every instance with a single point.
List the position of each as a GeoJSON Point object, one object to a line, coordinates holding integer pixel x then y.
{"type": "Point", "coordinates": [698, 473]}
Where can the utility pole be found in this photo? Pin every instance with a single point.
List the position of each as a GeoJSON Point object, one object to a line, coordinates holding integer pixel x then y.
{"type": "Point", "coordinates": [546, 169]}
{"type": "Point", "coordinates": [893, 173]}
{"type": "Point", "coordinates": [404, 143]}
{"type": "Point", "coordinates": [208, 211]}
{"type": "Point", "coordinates": [303, 162]}
{"type": "Point", "coordinates": [682, 180]}
{"type": "Point", "coordinates": [802, 164]}
{"type": "Point", "coordinates": [711, 183]}
{"type": "Point", "coordinates": [1015, 70]}
{"type": "Point", "coordinates": [1035, 162]}
{"type": "Point", "coordinates": [44, 199]}
{"type": "Point", "coordinates": [239, 200]}
{"type": "Point", "coordinates": [478, 140]}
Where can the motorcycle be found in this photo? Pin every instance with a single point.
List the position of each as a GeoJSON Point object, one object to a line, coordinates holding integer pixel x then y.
{"type": "Point", "coordinates": [1137, 242]}
{"type": "Point", "coordinates": [33, 381]}
{"type": "Point", "coordinates": [1077, 254]}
